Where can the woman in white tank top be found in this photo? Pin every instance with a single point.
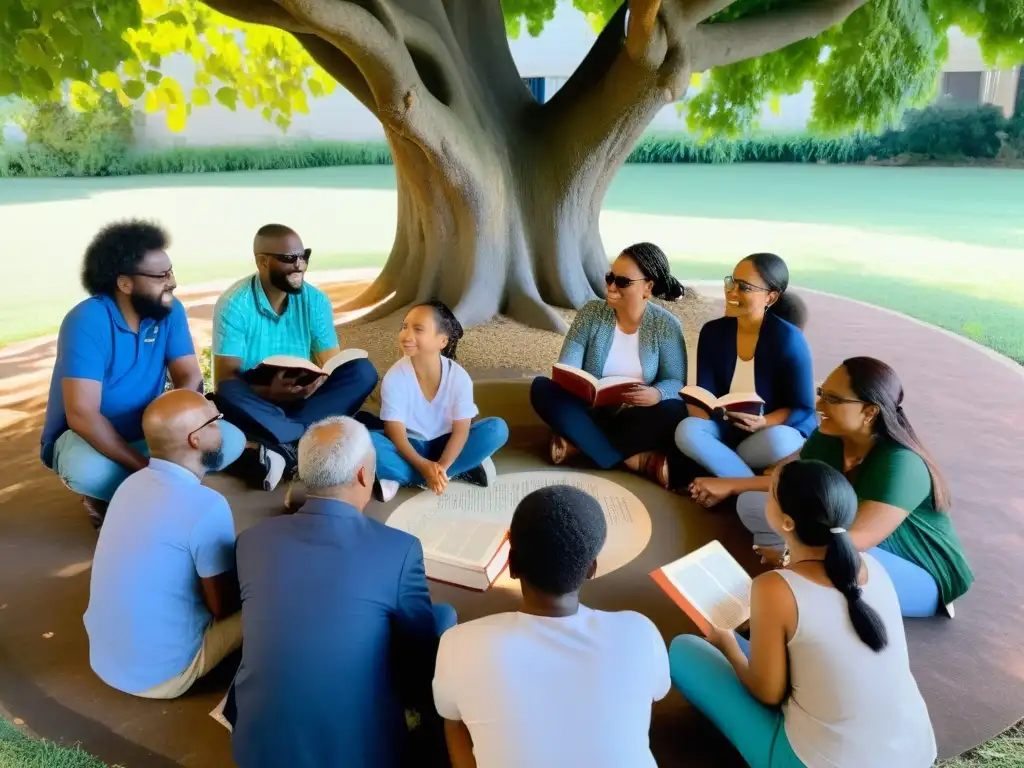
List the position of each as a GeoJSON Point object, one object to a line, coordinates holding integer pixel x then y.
{"type": "Point", "coordinates": [825, 681]}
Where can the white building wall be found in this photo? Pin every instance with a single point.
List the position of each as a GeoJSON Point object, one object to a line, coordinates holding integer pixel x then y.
{"type": "Point", "coordinates": [554, 55]}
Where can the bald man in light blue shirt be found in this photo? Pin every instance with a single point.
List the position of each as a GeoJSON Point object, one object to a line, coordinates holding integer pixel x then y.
{"type": "Point", "coordinates": [275, 312]}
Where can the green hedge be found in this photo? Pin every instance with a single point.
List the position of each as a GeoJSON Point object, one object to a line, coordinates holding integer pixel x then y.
{"type": "Point", "coordinates": [65, 143]}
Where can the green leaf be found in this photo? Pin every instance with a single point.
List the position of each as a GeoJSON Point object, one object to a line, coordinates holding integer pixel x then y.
{"type": "Point", "coordinates": [109, 81]}
{"type": "Point", "coordinates": [176, 118]}
{"type": "Point", "coordinates": [173, 17]}
{"type": "Point", "coordinates": [200, 97]}
{"type": "Point", "coordinates": [134, 89]}
{"type": "Point", "coordinates": [228, 97]}
{"type": "Point", "coordinates": [153, 77]}
{"type": "Point", "coordinates": [132, 68]}
{"type": "Point", "coordinates": [316, 89]}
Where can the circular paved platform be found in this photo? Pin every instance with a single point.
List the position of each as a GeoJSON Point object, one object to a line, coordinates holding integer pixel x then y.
{"type": "Point", "coordinates": [966, 406]}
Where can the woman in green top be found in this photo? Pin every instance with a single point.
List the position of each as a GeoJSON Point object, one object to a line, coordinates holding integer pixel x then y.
{"type": "Point", "coordinates": [903, 515]}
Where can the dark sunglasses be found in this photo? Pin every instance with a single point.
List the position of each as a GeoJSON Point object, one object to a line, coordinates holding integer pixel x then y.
{"type": "Point", "coordinates": [744, 286]}
{"type": "Point", "coordinates": [205, 424]}
{"type": "Point", "coordinates": [291, 258]}
{"type": "Point", "coordinates": [828, 397]}
{"type": "Point", "coordinates": [621, 281]}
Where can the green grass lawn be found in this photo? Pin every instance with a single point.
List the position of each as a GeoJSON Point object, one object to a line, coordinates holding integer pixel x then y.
{"type": "Point", "coordinates": [20, 751]}
{"type": "Point", "coordinates": [945, 245]}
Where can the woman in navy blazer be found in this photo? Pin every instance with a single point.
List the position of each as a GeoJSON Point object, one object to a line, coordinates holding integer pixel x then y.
{"type": "Point", "coordinates": [752, 349]}
{"type": "Point", "coordinates": [626, 335]}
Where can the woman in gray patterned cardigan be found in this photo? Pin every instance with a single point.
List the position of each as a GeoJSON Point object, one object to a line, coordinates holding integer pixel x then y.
{"type": "Point", "coordinates": [626, 335]}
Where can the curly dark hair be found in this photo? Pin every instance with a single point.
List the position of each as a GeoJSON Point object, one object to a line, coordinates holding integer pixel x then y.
{"type": "Point", "coordinates": [447, 324]}
{"type": "Point", "coordinates": [117, 250]}
{"type": "Point", "coordinates": [555, 536]}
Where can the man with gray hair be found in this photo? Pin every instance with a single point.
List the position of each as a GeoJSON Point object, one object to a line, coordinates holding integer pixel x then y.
{"type": "Point", "coordinates": [341, 635]}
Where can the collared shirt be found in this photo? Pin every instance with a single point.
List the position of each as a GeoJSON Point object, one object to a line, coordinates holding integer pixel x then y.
{"type": "Point", "coordinates": [146, 618]}
{"type": "Point", "coordinates": [338, 624]}
{"type": "Point", "coordinates": [245, 325]}
{"type": "Point", "coordinates": [96, 343]}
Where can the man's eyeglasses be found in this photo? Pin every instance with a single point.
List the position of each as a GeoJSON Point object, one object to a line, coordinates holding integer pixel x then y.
{"type": "Point", "coordinates": [165, 276]}
{"type": "Point", "coordinates": [205, 424]}
{"type": "Point", "coordinates": [621, 281]}
{"type": "Point", "coordinates": [828, 397]}
{"type": "Point", "coordinates": [291, 258]}
{"type": "Point", "coordinates": [744, 286]}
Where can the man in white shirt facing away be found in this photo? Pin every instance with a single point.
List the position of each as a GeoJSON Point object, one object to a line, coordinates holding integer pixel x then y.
{"type": "Point", "coordinates": [555, 684]}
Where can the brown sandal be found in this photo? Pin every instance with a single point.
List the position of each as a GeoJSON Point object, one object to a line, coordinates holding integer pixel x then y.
{"type": "Point", "coordinates": [561, 450]}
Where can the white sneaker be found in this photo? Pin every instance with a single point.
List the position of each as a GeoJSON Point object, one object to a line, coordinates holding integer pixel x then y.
{"type": "Point", "coordinates": [388, 490]}
{"type": "Point", "coordinates": [483, 475]}
{"type": "Point", "coordinates": [274, 465]}
{"type": "Point", "coordinates": [949, 610]}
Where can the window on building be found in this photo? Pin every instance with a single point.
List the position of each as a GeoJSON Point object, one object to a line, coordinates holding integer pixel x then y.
{"type": "Point", "coordinates": [536, 86]}
{"type": "Point", "coordinates": [963, 87]}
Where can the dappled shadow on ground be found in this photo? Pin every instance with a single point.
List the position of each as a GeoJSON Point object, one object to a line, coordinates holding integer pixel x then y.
{"type": "Point", "coordinates": [965, 406]}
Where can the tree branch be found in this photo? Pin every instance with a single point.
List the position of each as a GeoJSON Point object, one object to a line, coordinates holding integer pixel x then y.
{"type": "Point", "coordinates": [718, 45]}
{"type": "Point", "coordinates": [697, 11]}
{"type": "Point", "coordinates": [340, 67]}
{"type": "Point", "coordinates": [265, 12]}
{"type": "Point", "coordinates": [368, 40]}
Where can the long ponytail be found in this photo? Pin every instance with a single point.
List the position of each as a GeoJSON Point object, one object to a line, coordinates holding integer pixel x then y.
{"type": "Point", "coordinates": [822, 503]}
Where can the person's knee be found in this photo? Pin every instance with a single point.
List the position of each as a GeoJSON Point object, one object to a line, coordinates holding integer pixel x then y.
{"type": "Point", "coordinates": [362, 376]}
{"type": "Point", "coordinates": [542, 391]}
{"type": "Point", "coordinates": [750, 508]}
{"type": "Point", "coordinates": [86, 471]}
{"type": "Point", "coordinates": [494, 431]}
{"type": "Point", "coordinates": [232, 443]}
{"type": "Point", "coordinates": [686, 652]}
{"type": "Point", "coordinates": [690, 434]}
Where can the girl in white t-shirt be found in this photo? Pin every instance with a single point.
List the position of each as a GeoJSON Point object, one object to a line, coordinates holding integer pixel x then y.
{"type": "Point", "coordinates": [427, 408]}
{"type": "Point", "coordinates": [825, 682]}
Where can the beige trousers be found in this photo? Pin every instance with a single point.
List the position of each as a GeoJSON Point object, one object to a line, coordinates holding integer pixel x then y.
{"type": "Point", "coordinates": [221, 639]}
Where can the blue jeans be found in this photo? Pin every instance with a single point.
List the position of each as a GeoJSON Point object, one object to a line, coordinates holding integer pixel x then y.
{"type": "Point", "coordinates": [608, 436]}
{"type": "Point", "coordinates": [725, 451]}
{"type": "Point", "coordinates": [916, 589]}
{"type": "Point", "coordinates": [707, 680]}
{"type": "Point", "coordinates": [485, 438]}
{"type": "Point", "coordinates": [88, 472]}
{"type": "Point", "coordinates": [342, 394]}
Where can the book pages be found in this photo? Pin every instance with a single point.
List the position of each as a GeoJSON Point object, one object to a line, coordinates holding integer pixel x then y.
{"type": "Point", "coordinates": [714, 583]}
{"type": "Point", "coordinates": [629, 524]}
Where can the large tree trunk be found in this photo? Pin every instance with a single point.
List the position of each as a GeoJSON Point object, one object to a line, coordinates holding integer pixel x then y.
{"type": "Point", "coordinates": [498, 196]}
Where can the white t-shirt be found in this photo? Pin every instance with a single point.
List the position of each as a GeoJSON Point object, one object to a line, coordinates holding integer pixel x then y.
{"type": "Point", "coordinates": [554, 692]}
{"type": "Point", "coordinates": [743, 377]}
{"type": "Point", "coordinates": [403, 400]}
{"type": "Point", "coordinates": [624, 356]}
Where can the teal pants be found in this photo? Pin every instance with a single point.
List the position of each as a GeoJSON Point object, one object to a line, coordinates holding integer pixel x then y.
{"type": "Point", "coordinates": [707, 680]}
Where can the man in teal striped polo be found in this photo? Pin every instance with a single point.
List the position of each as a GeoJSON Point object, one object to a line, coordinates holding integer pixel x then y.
{"type": "Point", "coordinates": [276, 312]}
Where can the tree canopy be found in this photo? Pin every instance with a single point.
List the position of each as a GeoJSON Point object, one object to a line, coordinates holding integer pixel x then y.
{"type": "Point", "coordinates": [882, 58]}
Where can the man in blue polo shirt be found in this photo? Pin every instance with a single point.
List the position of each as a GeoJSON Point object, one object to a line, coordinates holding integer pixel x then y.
{"type": "Point", "coordinates": [114, 352]}
{"type": "Point", "coordinates": [275, 312]}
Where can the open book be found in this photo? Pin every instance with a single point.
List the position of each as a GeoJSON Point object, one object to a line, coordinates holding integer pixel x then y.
{"type": "Point", "coordinates": [710, 586]}
{"type": "Point", "coordinates": [738, 402]}
{"type": "Point", "coordinates": [460, 551]}
{"type": "Point", "coordinates": [303, 371]}
{"type": "Point", "coordinates": [597, 392]}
